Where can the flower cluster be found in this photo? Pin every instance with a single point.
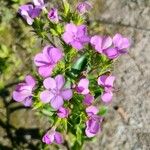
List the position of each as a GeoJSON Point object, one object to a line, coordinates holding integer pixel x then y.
{"type": "Point", "coordinates": [73, 76]}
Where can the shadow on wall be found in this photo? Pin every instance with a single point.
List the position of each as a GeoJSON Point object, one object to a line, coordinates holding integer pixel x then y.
{"type": "Point", "coordinates": [20, 138]}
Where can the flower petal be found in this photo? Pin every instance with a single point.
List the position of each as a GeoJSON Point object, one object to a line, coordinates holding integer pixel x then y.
{"type": "Point", "coordinates": [109, 81]}
{"type": "Point", "coordinates": [91, 110]}
{"type": "Point", "coordinates": [66, 94]}
{"type": "Point", "coordinates": [30, 81]}
{"type": "Point", "coordinates": [58, 138]}
{"type": "Point", "coordinates": [107, 97]}
{"type": "Point", "coordinates": [102, 79]}
{"type": "Point", "coordinates": [60, 81]}
{"type": "Point", "coordinates": [88, 99]}
{"type": "Point", "coordinates": [49, 83]}
{"type": "Point", "coordinates": [107, 42]}
{"type": "Point", "coordinates": [77, 45]}
{"type": "Point", "coordinates": [57, 102]}
{"type": "Point", "coordinates": [56, 54]}
{"type": "Point", "coordinates": [17, 96]}
{"type": "Point", "coordinates": [46, 96]}
{"type": "Point", "coordinates": [28, 101]}
{"type": "Point", "coordinates": [111, 53]}
{"type": "Point", "coordinates": [46, 71]}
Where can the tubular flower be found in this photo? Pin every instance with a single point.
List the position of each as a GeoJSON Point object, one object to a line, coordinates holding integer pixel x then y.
{"type": "Point", "coordinates": [84, 7]}
{"type": "Point", "coordinates": [53, 15]}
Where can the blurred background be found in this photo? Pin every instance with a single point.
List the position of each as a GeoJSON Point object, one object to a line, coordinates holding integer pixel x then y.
{"type": "Point", "coordinates": [127, 124]}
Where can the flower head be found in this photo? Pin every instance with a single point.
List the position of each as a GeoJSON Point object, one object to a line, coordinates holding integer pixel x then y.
{"type": "Point", "coordinates": [107, 83]}
{"type": "Point", "coordinates": [82, 86]}
{"type": "Point", "coordinates": [84, 7]}
{"type": "Point", "coordinates": [55, 92]}
{"type": "Point", "coordinates": [47, 60]}
{"type": "Point", "coordinates": [76, 36]}
{"type": "Point", "coordinates": [29, 12]}
{"type": "Point", "coordinates": [52, 136]}
{"type": "Point", "coordinates": [23, 91]}
{"type": "Point", "coordinates": [63, 112]}
{"type": "Point", "coordinates": [120, 45]}
{"type": "Point", "coordinates": [53, 15]}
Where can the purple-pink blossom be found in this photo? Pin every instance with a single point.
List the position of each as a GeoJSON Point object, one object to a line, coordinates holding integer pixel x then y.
{"type": "Point", "coordinates": [101, 43]}
{"type": "Point", "coordinates": [52, 136]}
{"type": "Point", "coordinates": [120, 45]}
{"type": "Point", "coordinates": [93, 123]}
{"type": "Point", "coordinates": [84, 7]}
{"type": "Point", "coordinates": [29, 12]}
{"type": "Point", "coordinates": [47, 60]}
{"type": "Point", "coordinates": [53, 15]}
{"type": "Point", "coordinates": [63, 112]}
{"type": "Point", "coordinates": [82, 86]}
{"type": "Point", "coordinates": [23, 91]}
{"type": "Point", "coordinates": [106, 82]}
{"type": "Point", "coordinates": [88, 99]}
{"type": "Point", "coordinates": [76, 36]}
{"type": "Point", "coordinates": [55, 92]}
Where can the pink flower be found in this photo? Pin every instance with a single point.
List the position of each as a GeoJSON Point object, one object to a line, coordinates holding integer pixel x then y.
{"type": "Point", "coordinates": [47, 60]}
{"type": "Point", "coordinates": [53, 15]}
{"type": "Point", "coordinates": [55, 92]}
{"type": "Point", "coordinates": [82, 86]}
{"type": "Point", "coordinates": [52, 136]}
{"type": "Point", "coordinates": [107, 83]}
{"type": "Point", "coordinates": [63, 112]}
{"type": "Point", "coordinates": [23, 91]}
{"type": "Point", "coordinates": [120, 46]}
{"type": "Point", "coordinates": [29, 12]}
{"type": "Point", "coordinates": [88, 99]}
{"type": "Point", "coordinates": [93, 123]}
{"type": "Point", "coordinates": [84, 7]}
{"type": "Point", "coordinates": [76, 36]}
{"type": "Point", "coordinates": [101, 43]}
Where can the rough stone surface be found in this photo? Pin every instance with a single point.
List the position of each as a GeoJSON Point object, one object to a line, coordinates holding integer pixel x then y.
{"type": "Point", "coordinates": [130, 18]}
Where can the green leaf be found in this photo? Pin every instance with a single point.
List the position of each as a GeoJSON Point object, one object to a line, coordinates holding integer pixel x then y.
{"type": "Point", "coordinates": [79, 135]}
{"type": "Point", "coordinates": [79, 66]}
{"type": "Point", "coordinates": [66, 7]}
{"type": "Point", "coordinates": [103, 110]}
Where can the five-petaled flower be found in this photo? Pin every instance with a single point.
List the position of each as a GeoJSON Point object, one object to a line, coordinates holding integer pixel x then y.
{"type": "Point", "coordinates": [55, 92]}
{"type": "Point", "coordinates": [106, 82]}
{"type": "Point", "coordinates": [47, 60]}
{"type": "Point", "coordinates": [76, 36]}
{"type": "Point", "coordinates": [23, 91]}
